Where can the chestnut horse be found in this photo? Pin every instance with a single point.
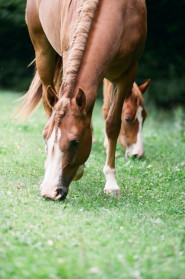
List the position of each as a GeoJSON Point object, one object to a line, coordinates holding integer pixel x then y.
{"type": "Point", "coordinates": [77, 43]}
{"type": "Point", "coordinates": [132, 117]}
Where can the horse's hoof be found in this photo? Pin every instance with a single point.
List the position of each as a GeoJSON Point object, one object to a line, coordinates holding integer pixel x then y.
{"type": "Point", "coordinates": [115, 192]}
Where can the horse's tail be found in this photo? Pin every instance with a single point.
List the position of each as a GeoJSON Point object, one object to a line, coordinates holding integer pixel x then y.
{"type": "Point", "coordinates": [31, 99]}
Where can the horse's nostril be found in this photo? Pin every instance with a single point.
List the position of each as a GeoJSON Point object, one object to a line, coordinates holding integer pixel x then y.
{"type": "Point", "coordinates": [61, 193]}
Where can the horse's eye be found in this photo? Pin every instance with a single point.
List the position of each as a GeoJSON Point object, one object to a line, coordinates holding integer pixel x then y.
{"type": "Point", "coordinates": [74, 143]}
{"type": "Point", "coordinates": [129, 119]}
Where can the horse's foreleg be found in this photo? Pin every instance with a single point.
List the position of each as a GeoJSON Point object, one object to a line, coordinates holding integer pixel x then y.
{"type": "Point", "coordinates": [113, 124]}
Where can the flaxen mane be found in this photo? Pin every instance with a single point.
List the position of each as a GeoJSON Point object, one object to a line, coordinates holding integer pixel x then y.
{"type": "Point", "coordinates": [76, 51]}
{"type": "Point", "coordinates": [77, 46]}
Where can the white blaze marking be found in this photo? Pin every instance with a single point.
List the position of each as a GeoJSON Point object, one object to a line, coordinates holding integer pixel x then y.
{"type": "Point", "coordinates": [138, 147]}
{"type": "Point", "coordinates": [53, 166]}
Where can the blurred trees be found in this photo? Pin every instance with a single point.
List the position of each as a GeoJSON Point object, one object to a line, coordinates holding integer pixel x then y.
{"type": "Point", "coordinates": [13, 11]}
{"type": "Point", "coordinates": [164, 56]}
{"type": "Point", "coordinates": [16, 51]}
{"type": "Point", "coordinates": [163, 59]}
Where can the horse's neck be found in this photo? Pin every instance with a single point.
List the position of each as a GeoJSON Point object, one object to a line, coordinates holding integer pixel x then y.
{"type": "Point", "coordinates": [99, 51]}
{"type": "Point", "coordinates": [89, 81]}
{"type": "Point", "coordinates": [81, 26]}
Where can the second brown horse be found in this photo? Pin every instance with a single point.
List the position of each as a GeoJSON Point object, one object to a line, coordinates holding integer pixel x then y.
{"type": "Point", "coordinates": [132, 117]}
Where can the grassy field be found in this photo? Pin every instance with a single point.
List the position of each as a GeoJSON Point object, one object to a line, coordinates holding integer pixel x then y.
{"type": "Point", "coordinates": [91, 235]}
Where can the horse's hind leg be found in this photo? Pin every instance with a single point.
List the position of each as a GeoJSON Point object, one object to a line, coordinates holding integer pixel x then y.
{"type": "Point", "coordinates": [113, 124]}
{"type": "Point", "coordinates": [45, 54]}
{"type": "Point", "coordinates": [45, 63]}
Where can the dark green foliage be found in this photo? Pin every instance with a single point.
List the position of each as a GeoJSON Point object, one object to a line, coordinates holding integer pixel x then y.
{"type": "Point", "coordinates": [164, 56]}
{"type": "Point", "coordinates": [163, 59]}
{"type": "Point", "coordinates": [165, 37]}
{"type": "Point", "coordinates": [13, 11]}
{"type": "Point", "coordinates": [16, 51]}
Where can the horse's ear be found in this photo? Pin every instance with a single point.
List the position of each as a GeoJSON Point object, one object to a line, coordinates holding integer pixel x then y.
{"type": "Point", "coordinates": [144, 86]}
{"type": "Point", "coordinates": [81, 99]}
{"type": "Point", "coordinates": [52, 97]}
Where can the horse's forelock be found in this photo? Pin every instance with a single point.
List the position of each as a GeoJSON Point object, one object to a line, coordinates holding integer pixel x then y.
{"type": "Point", "coordinates": [60, 110]}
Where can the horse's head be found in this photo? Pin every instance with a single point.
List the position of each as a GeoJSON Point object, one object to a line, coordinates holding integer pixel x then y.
{"type": "Point", "coordinates": [133, 117]}
{"type": "Point", "coordinates": [68, 141]}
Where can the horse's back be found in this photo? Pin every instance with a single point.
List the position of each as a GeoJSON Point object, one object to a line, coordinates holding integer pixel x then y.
{"type": "Point", "coordinates": [122, 23]}
{"type": "Point", "coordinates": [133, 29]}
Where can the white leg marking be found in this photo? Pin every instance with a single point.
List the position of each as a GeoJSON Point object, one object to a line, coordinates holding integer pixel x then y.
{"type": "Point", "coordinates": [111, 186]}
{"type": "Point", "coordinates": [53, 166]}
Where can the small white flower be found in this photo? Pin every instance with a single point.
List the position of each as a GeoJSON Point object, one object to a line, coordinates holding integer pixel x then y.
{"type": "Point", "coordinates": [50, 242]}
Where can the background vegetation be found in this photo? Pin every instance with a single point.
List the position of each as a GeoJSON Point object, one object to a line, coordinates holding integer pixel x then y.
{"type": "Point", "coordinates": [163, 60]}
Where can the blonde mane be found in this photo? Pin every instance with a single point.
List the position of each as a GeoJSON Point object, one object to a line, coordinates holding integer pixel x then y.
{"type": "Point", "coordinates": [76, 48]}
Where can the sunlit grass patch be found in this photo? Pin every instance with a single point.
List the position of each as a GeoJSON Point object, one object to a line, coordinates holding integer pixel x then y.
{"type": "Point", "coordinates": [91, 235]}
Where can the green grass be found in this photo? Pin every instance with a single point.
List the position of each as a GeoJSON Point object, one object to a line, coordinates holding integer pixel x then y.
{"type": "Point", "coordinates": [91, 235]}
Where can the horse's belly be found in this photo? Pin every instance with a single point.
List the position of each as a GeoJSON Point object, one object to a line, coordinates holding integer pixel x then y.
{"type": "Point", "coordinates": [54, 20]}
{"type": "Point", "coordinates": [57, 19]}
{"type": "Point", "coordinates": [50, 21]}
